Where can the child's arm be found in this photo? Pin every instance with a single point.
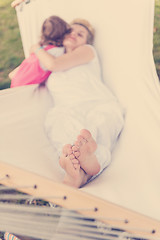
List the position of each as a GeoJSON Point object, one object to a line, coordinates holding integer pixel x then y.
{"type": "Point", "coordinates": [12, 74]}
{"type": "Point", "coordinates": [81, 55]}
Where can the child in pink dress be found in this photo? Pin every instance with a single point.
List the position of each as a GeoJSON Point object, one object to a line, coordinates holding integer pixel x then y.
{"type": "Point", "coordinates": [31, 71]}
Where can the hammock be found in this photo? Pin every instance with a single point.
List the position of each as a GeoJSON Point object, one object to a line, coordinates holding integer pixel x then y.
{"type": "Point", "coordinates": [124, 39]}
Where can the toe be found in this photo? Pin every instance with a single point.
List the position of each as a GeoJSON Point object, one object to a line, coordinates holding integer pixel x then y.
{"type": "Point", "coordinates": [85, 134]}
{"type": "Point", "coordinates": [71, 156]}
{"type": "Point", "coordinates": [80, 139]}
{"type": "Point", "coordinates": [75, 161]}
{"type": "Point", "coordinates": [76, 144]}
{"type": "Point", "coordinates": [75, 148]}
{"type": "Point", "coordinates": [77, 154]}
{"type": "Point", "coordinates": [67, 149]}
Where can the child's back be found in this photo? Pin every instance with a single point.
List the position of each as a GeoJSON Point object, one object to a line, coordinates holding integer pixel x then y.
{"type": "Point", "coordinates": [31, 71]}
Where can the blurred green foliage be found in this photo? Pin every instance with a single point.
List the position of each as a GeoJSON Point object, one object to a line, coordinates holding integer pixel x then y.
{"type": "Point", "coordinates": [11, 51]}
{"type": "Point", "coordinates": [156, 37]}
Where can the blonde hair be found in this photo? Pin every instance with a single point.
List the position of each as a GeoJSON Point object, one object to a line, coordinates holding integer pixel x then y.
{"type": "Point", "coordinates": [88, 26]}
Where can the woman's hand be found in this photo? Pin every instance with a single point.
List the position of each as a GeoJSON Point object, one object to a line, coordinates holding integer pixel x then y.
{"type": "Point", "coordinates": [34, 48]}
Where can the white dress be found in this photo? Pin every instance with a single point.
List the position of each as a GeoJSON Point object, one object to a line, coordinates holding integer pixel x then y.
{"type": "Point", "coordinates": [81, 100]}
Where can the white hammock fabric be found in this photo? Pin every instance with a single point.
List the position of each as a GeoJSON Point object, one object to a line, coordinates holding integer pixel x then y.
{"type": "Point", "coordinates": [124, 38]}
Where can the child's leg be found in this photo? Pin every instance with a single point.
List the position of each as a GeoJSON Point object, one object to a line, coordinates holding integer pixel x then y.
{"type": "Point", "coordinates": [68, 161]}
{"type": "Point", "coordinates": [79, 161]}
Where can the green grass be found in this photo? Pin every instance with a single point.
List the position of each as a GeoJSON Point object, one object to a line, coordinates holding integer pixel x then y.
{"type": "Point", "coordinates": [11, 51]}
{"type": "Point", "coordinates": [156, 38]}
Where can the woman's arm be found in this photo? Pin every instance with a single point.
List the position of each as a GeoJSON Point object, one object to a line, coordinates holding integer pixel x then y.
{"type": "Point", "coordinates": [79, 56]}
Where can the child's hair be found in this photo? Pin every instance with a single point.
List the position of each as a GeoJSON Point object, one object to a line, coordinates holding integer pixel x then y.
{"type": "Point", "coordinates": [53, 31]}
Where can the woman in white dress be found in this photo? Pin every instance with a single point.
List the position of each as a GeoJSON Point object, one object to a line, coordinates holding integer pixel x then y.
{"type": "Point", "coordinates": [86, 118]}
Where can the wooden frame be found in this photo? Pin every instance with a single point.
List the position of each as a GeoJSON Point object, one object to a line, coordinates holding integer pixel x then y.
{"type": "Point", "coordinates": [72, 198]}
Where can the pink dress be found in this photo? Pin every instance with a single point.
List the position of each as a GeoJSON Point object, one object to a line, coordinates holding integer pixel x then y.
{"type": "Point", "coordinates": [30, 71]}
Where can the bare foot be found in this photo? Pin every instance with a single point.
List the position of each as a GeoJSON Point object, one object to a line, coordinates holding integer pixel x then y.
{"type": "Point", "coordinates": [74, 175]}
{"type": "Point", "coordinates": [84, 150]}
{"type": "Point", "coordinates": [68, 152]}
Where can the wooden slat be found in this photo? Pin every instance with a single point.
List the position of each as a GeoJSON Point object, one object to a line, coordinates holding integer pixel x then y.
{"type": "Point", "coordinates": [72, 198]}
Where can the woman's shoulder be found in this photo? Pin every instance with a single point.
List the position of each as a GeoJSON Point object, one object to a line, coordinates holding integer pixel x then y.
{"type": "Point", "coordinates": [88, 47]}
{"type": "Point", "coordinates": [92, 49]}
{"type": "Point", "coordinates": [87, 50]}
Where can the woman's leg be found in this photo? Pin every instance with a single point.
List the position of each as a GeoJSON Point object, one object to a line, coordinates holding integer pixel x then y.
{"type": "Point", "coordinates": [79, 161]}
{"type": "Point", "coordinates": [84, 148]}
{"type": "Point", "coordinates": [75, 176]}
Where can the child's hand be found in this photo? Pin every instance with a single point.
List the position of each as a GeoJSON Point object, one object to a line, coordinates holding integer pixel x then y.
{"type": "Point", "coordinates": [34, 48]}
